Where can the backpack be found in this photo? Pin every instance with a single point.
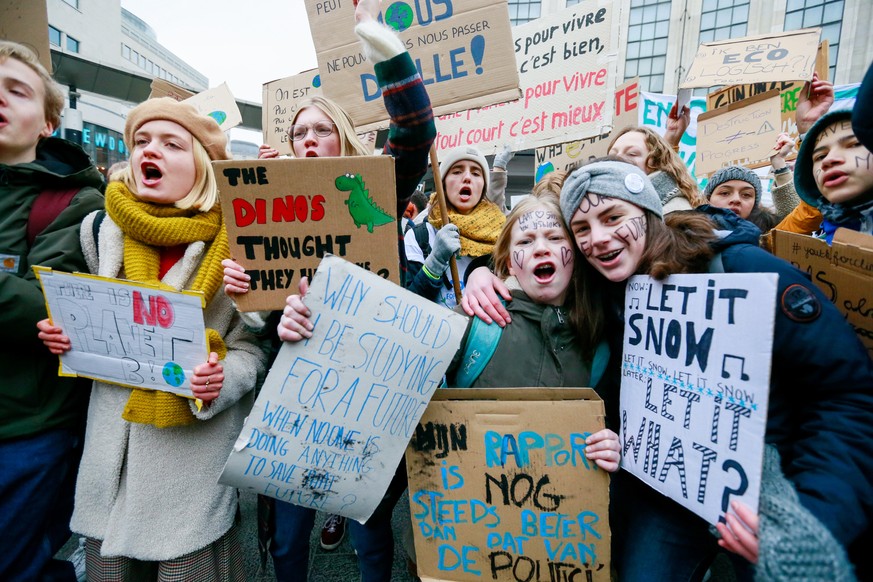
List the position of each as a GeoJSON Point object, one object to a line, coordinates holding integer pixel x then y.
{"type": "Point", "coordinates": [47, 206]}
{"type": "Point", "coordinates": [482, 343]}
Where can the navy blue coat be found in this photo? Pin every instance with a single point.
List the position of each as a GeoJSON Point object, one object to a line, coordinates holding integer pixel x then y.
{"type": "Point", "coordinates": [821, 388]}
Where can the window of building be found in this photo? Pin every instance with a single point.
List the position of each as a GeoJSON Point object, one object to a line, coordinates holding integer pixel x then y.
{"type": "Point", "coordinates": [125, 52]}
{"type": "Point", "coordinates": [72, 44]}
{"type": "Point", "coordinates": [828, 14]}
{"type": "Point", "coordinates": [522, 11]}
{"type": "Point", "coordinates": [723, 19]}
{"type": "Point", "coordinates": [646, 57]}
{"type": "Point", "coordinates": [54, 36]}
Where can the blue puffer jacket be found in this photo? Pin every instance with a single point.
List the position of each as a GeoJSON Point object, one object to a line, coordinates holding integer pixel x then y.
{"type": "Point", "coordinates": [821, 388]}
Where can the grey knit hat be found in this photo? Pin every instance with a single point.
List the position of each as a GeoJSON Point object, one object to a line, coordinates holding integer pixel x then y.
{"type": "Point", "coordinates": [468, 153]}
{"type": "Point", "coordinates": [734, 173]}
{"type": "Point", "coordinates": [613, 180]}
{"type": "Point", "coordinates": [804, 182]}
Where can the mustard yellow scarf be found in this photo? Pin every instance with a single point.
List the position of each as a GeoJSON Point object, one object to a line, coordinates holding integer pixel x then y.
{"type": "Point", "coordinates": [147, 227]}
{"type": "Point", "coordinates": [479, 229]}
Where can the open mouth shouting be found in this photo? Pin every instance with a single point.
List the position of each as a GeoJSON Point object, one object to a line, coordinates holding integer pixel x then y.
{"type": "Point", "coordinates": [151, 174]}
{"type": "Point", "coordinates": [544, 273]}
{"type": "Point", "coordinates": [609, 258]}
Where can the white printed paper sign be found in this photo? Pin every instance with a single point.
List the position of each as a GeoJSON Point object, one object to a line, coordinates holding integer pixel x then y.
{"type": "Point", "coordinates": [127, 333]}
{"type": "Point", "coordinates": [336, 411]}
{"type": "Point", "coordinates": [695, 384]}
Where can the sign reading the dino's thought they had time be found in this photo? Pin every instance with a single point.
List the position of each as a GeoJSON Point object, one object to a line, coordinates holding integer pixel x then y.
{"type": "Point", "coordinates": [284, 215]}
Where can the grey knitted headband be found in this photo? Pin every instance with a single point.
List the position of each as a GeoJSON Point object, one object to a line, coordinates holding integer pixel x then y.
{"type": "Point", "coordinates": [613, 180]}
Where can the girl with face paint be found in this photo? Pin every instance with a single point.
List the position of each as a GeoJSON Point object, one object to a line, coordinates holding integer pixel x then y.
{"type": "Point", "coordinates": [821, 393]}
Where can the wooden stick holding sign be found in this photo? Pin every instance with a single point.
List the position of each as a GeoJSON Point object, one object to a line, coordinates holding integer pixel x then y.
{"type": "Point", "coordinates": [441, 200]}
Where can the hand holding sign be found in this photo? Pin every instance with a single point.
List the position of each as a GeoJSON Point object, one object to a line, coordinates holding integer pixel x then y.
{"type": "Point", "coordinates": [208, 379]}
{"type": "Point", "coordinates": [294, 324]}
{"type": "Point", "coordinates": [815, 100]}
{"type": "Point", "coordinates": [53, 337]}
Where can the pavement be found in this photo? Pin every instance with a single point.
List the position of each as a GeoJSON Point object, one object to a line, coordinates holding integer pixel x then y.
{"type": "Point", "coordinates": [340, 565]}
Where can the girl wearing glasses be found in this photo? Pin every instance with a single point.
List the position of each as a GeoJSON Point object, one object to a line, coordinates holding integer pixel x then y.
{"type": "Point", "coordinates": [321, 128]}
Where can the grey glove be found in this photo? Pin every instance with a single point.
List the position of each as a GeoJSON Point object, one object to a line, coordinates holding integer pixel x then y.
{"type": "Point", "coordinates": [446, 243]}
{"type": "Point", "coordinates": [502, 159]}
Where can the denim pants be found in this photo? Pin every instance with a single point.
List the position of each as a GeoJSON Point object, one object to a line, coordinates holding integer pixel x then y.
{"type": "Point", "coordinates": [37, 485]}
{"type": "Point", "coordinates": [373, 541]}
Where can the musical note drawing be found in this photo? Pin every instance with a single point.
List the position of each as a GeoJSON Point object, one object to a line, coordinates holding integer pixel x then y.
{"type": "Point", "coordinates": [724, 370]}
{"type": "Point", "coordinates": [635, 303]}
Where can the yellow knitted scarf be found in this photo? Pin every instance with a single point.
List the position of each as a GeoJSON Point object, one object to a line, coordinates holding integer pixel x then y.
{"type": "Point", "coordinates": [479, 229]}
{"type": "Point", "coordinates": [147, 227]}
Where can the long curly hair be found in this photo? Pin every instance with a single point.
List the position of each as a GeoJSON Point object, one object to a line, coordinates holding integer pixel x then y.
{"type": "Point", "coordinates": [663, 158]}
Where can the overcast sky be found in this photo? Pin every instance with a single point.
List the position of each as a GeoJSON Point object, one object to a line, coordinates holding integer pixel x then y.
{"type": "Point", "coordinates": [246, 43]}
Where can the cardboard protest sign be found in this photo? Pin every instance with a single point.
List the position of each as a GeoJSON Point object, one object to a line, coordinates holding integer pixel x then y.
{"type": "Point", "coordinates": [284, 215]}
{"type": "Point", "coordinates": [500, 489]}
{"type": "Point", "coordinates": [785, 56]}
{"type": "Point", "coordinates": [27, 23]}
{"type": "Point", "coordinates": [565, 62]}
{"type": "Point", "coordinates": [280, 101]}
{"type": "Point", "coordinates": [463, 51]}
{"type": "Point", "coordinates": [626, 111]}
{"type": "Point", "coordinates": [336, 411]}
{"type": "Point", "coordinates": [163, 88]}
{"type": "Point", "coordinates": [739, 134]}
{"type": "Point", "coordinates": [219, 104]}
{"type": "Point", "coordinates": [695, 384]}
{"type": "Point", "coordinates": [843, 272]}
{"type": "Point", "coordinates": [127, 333]}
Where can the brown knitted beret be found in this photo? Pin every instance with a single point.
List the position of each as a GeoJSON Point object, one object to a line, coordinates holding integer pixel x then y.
{"type": "Point", "coordinates": [202, 127]}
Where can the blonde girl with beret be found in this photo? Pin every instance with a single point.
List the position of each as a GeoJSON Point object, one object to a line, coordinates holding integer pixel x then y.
{"type": "Point", "coordinates": [147, 496]}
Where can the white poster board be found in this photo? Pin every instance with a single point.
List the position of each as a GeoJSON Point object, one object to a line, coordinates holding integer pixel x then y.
{"type": "Point", "coordinates": [566, 68]}
{"type": "Point", "coordinates": [127, 333]}
{"type": "Point", "coordinates": [336, 412]}
{"type": "Point", "coordinates": [695, 385]}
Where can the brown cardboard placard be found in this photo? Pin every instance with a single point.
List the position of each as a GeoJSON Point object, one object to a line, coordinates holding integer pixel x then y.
{"type": "Point", "coordinates": [463, 51]}
{"type": "Point", "coordinates": [27, 23]}
{"type": "Point", "coordinates": [843, 272]}
{"type": "Point", "coordinates": [163, 88]}
{"type": "Point", "coordinates": [565, 62]}
{"type": "Point", "coordinates": [784, 56]}
{"type": "Point", "coordinates": [498, 482]}
{"type": "Point", "coordinates": [625, 112]}
{"type": "Point", "coordinates": [280, 101]}
{"type": "Point", "coordinates": [284, 215]}
{"type": "Point", "coordinates": [741, 133]}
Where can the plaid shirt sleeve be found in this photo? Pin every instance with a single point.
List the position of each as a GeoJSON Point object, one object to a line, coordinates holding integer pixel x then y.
{"type": "Point", "coordinates": [412, 129]}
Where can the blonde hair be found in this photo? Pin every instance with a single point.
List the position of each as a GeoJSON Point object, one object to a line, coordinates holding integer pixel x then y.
{"type": "Point", "coordinates": [662, 158]}
{"type": "Point", "coordinates": [203, 195]}
{"type": "Point", "coordinates": [550, 184]}
{"type": "Point", "coordinates": [53, 104]}
{"type": "Point", "coordinates": [350, 143]}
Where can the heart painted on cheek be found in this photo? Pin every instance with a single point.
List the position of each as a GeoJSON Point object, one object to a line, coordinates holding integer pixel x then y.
{"type": "Point", "coordinates": [518, 257]}
{"type": "Point", "coordinates": [566, 255]}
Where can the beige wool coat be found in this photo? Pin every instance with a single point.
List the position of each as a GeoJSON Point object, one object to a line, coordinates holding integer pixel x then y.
{"type": "Point", "coordinates": [150, 493]}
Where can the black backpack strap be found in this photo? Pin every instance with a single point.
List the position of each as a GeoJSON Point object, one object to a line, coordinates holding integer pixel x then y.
{"type": "Point", "coordinates": [422, 237]}
{"type": "Point", "coordinates": [95, 227]}
{"type": "Point", "coordinates": [47, 206]}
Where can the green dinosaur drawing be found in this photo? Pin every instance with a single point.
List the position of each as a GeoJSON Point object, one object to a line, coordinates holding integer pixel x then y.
{"type": "Point", "coordinates": [361, 206]}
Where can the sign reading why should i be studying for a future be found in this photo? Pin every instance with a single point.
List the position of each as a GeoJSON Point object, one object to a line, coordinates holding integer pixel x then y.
{"type": "Point", "coordinates": [127, 333]}
{"type": "Point", "coordinates": [284, 215]}
{"type": "Point", "coordinates": [336, 411]}
{"type": "Point", "coordinates": [695, 385]}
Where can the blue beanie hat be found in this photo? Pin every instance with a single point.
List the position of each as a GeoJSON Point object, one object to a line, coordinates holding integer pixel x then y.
{"type": "Point", "coordinates": [611, 179]}
{"type": "Point", "coordinates": [804, 182]}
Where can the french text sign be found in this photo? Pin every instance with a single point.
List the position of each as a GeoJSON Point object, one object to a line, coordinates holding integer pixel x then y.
{"type": "Point", "coordinates": [625, 111]}
{"type": "Point", "coordinates": [786, 56]}
{"type": "Point", "coordinates": [740, 134]}
{"type": "Point", "coordinates": [695, 383]}
{"type": "Point", "coordinates": [280, 101]}
{"type": "Point", "coordinates": [127, 333]}
{"type": "Point", "coordinates": [463, 51]}
{"type": "Point", "coordinates": [336, 411]}
{"type": "Point", "coordinates": [500, 488]}
{"type": "Point", "coordinates": [564, 62]}
{"type": "Point", "coordinates": [284, 215]}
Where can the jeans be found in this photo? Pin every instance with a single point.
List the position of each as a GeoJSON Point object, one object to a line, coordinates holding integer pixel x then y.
{"type": "Point", "coordinates": [655, 538]}
{"type": "Point", "coordinates": [37, 485]}
{"type": "Point", "coordinates": [373, 541]}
